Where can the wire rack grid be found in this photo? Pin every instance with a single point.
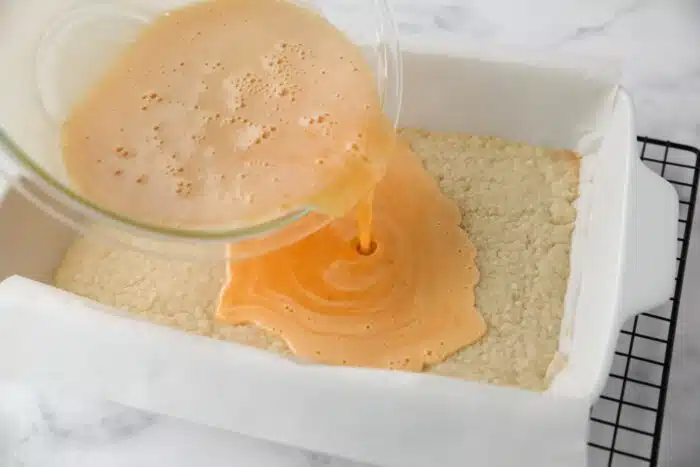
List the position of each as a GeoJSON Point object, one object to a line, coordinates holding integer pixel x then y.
{"type": "Point", "coordinates": [626, 422]}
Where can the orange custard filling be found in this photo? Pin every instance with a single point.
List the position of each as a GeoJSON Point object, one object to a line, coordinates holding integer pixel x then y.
{"type": "Point", "coordinates": [229, 113]}
{"type": "Point", "coordinates": [408, 304]}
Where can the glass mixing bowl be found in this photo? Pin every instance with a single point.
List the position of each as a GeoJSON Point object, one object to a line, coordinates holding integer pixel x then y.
{"type": "Point", "coordinates": [51, 53]}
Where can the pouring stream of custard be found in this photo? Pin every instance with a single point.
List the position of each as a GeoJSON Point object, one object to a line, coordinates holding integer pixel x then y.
{"type": "Point", "coordinates": [227, 113]}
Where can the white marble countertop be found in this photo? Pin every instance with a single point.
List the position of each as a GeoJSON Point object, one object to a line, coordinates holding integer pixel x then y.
{"type": "Point", "coordinates": [657, 44]}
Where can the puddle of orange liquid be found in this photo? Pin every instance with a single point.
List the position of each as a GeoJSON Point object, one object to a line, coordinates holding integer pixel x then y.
{"type": "Point", "coordinates": [408, 304]}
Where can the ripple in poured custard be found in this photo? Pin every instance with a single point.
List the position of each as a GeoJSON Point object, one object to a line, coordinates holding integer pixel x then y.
{"type": "Point", "coordinates": [228, 113]}
{"type": "Point", "coordinates": [409, 304]}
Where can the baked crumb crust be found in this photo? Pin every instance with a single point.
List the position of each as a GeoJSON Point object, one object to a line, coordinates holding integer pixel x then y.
{"type": "Point", "coordinates": [516, 202]}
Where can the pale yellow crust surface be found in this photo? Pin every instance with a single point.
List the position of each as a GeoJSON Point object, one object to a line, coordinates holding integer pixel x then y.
{"type": "Point", "coordinates": [517, 205]}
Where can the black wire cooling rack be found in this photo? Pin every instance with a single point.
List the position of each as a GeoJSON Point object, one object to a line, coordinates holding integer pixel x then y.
{"type": "Point", "coordinates": [626, 422]}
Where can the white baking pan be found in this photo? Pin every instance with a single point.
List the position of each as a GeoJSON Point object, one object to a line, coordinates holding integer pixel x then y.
{"type": "Point", "coordinates": [623, 261]}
